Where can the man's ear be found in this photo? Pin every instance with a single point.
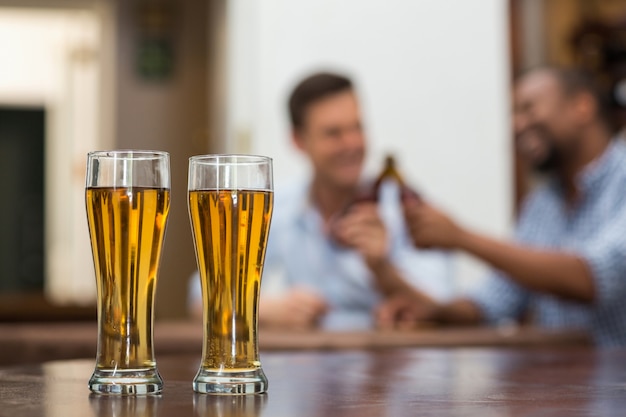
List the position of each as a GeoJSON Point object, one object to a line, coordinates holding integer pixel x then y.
{"type": "Point", "coordinates": [298, 139]}
{"type": "Point", "coordinates": [586, 107]}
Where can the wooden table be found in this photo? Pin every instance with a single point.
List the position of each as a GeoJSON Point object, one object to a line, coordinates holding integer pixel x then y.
{"type": "Point", "coordinates": [361, 383]}
{"type": "Point", "coordinates": [36, 343]}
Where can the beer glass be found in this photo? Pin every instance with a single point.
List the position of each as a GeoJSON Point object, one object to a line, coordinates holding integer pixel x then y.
{"type": "Point", "coordinates": [230, 208]}
{"type": "Point", "coordinates": [128, 200]}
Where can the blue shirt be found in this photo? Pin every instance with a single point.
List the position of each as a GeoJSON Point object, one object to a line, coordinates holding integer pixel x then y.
{"type": "Point", "coordinates": [300, 253]}
{"type": "Point", "coordinates": [595, 230]}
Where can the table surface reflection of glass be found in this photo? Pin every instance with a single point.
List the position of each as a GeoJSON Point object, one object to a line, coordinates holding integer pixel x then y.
{"type": "Point", "coordinates": [550, 381]}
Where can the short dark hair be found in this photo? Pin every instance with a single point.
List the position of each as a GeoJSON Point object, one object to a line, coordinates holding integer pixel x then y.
{"type": "Point", "coordinates": [311, 89]}
{"type": "Point", "coordinates": [575, 81]}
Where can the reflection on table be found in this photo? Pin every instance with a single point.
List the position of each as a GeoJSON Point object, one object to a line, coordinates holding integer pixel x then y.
{"type": "Point", "coordinates": [482, 382]}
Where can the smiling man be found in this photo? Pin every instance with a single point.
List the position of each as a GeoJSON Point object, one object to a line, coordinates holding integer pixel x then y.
{"type": "Point", "coordinates": [329, 260]}
{"type": "Point", "coordinates": [567, 265]}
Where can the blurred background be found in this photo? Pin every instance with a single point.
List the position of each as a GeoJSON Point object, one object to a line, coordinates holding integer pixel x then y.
{"type": "Point", "coordinates": [200, 76]}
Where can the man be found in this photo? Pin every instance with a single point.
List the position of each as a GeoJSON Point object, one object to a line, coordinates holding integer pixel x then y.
{"type": "Point", "coordinates": [330, 261]}
{"type": "Point", "coordinates": [567, 267]}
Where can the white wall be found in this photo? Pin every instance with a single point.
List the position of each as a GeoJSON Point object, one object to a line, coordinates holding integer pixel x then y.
{"type": "Point", "coordinates": [52, 58]}
{"type": "Point", "coordinates": [433, 77]}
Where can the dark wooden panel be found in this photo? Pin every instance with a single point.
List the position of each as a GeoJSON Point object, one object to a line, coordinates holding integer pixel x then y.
{"type": "Point", "coordinates": [31, 343]}
{"type": "Point", "coordinates": [22, 199]}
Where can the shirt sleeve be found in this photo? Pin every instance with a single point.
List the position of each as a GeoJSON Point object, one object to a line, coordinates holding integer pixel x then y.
{"type": "Point", "coordinates": [274, 279]}
{"type": "Point", "coordinates": [285, 237]}
{"type": "Point", "coordinates": [499, 299]}
{"type": "Point", "coordinates": [194, 291]}
{"type": "Point", "coordinates": [605, 256]}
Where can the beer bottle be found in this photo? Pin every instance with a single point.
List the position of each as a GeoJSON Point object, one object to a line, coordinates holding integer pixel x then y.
{"type": "Point", "coordinates": [371, 192]}
{"type": "Point", "coordinates": [391, 173]}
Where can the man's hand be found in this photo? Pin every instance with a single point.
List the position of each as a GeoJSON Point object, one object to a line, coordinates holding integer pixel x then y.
{"type": "Point", "coordinates": [408, 310]}
{"type": "Point", "coordinates": [405, 311]}
{"type": "Point", "coordinates": [429, 227]}
{"type": "Point", "coordinates": [296, 309]}
{"type": "Point", "coordinates": [362, 229]}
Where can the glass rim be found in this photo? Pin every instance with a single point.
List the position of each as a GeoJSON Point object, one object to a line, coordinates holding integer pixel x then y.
{"type": "Point", "coordinates": [229, 158]}
{"type": "Point", "coordinates": [135, 154]}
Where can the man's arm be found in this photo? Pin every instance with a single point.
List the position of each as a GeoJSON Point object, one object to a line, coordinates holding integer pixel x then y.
{"type": "Point", "coordinates": [297, 308]}
{"type": "Point", "coordinates": [557, 273]}
{"type": "Point", "coordinates": [548, 271]}
{"type": "Point", "coordinates": [407, 309]}
{"type": "Point", "coordinates": [388, 278]}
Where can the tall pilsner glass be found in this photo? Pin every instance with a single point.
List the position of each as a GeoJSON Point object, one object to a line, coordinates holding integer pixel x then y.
{"type": "Point", "coordinates": [230, 208]}
{"type": "Point", "coordinates": [128, 200]}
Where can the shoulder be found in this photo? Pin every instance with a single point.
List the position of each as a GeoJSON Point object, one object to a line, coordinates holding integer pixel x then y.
{"type": "Point", "coordinates": [289, 199]}
{"type": "Point", "coordinates": [539, 211]}
{"type": "Point", "coordinates": [606, 181]}
{"type": "Point", "coordinates": [290, 192]}
{"type": "Point", "coordinates": [545, 196]}
{"type": "Point", "coordinates": [618, 148]}
{"type": "Point", "coordinates": [617, 162]}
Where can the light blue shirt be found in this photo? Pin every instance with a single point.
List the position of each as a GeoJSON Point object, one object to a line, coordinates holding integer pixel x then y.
{"type": "Point", "coordinates": [595, 230]}
{"type": "Point", "coordinates": [301, 254]}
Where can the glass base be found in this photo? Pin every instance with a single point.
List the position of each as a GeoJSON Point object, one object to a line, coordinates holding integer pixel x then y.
{"type": "Point", "coordinates": [220, 382]}
{"type": "Point", "coordinates": [126, 382]}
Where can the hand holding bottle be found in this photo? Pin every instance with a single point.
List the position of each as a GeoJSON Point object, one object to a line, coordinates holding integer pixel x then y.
{"type": "Point", "coordinates": [430, 227]}
{"type": "Point", "coordinates": [359, 225]}
{"type": "Point", "coordinates": [362, 229]}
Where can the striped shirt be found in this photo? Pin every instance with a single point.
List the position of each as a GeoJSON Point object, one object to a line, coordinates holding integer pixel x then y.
{"type": "Point", "coordinates": [594, 230]}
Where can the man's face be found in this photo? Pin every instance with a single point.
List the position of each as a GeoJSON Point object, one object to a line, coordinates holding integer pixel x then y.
{"type": "Point", "coordinates": [545, 121]}
{"type": "Point", "coordinates": [333, 139]}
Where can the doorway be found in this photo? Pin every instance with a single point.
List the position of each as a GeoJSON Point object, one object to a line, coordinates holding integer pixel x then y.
{"type": "Point", "coordinates": [56, 85]}
{"type": "Point", "coordinates": [22, 138]}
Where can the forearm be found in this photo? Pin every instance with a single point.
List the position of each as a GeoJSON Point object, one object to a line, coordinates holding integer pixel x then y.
{"type": "Point", "coordinates": [415, 306]}
{"type": "Point", "coordinates": [388, 278]}
{"type": "Point", "coordinates": [458, 312]}
{"type": "Point", "coordinates": [557, 273]}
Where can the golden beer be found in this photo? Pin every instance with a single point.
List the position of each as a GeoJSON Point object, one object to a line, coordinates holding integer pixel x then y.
{"type": "Point", "coordinates": [127, 226]}
{"type": "Point", "coordinates": [230, 229]}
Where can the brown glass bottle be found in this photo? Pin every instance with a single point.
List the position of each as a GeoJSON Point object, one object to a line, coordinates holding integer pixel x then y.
{"type": "Point", "coordinates": [391, 173]}
{"type": "Point", "coordinates": [371, 192]}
